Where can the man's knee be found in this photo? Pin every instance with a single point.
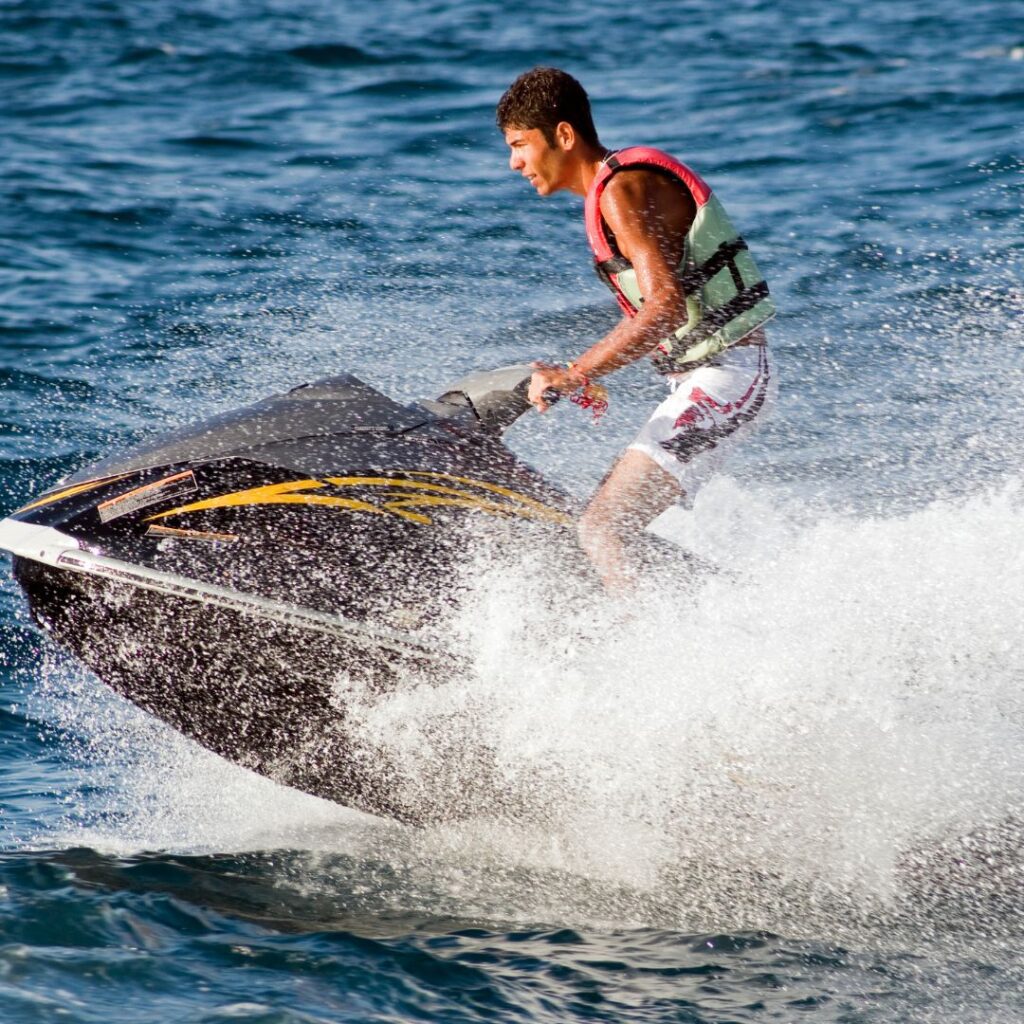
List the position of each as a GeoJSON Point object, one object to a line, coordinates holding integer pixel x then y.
{"type": "Point", "coordinates": [589, 529]}
{"type": "Point", "coordinates": [602, 524]}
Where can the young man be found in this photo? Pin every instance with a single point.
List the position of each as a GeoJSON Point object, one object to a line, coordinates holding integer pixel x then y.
{"type": "Point", "coordinates": [691, 293]}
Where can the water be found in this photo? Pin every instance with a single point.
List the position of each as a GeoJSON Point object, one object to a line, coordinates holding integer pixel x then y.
{"type": "Point", "coordinates": [791, 796]}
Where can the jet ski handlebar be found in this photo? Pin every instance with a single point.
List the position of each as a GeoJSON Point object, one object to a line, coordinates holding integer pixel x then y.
{"type": "Point", "coordinates": [497, 397]}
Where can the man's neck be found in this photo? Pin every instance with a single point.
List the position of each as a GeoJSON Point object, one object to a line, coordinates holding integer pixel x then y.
{"type": "Point", "coordinates": [587, 164]}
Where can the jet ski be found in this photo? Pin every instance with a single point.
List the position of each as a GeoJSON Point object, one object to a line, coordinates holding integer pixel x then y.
{"type": "Point", "coordinates": [243, 577]}
{"type": "Point", "coordinates": [233, 576]}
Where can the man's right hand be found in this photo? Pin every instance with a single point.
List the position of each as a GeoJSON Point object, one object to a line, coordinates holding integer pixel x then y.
{"type": "Point", "coordinates": [549, 377]}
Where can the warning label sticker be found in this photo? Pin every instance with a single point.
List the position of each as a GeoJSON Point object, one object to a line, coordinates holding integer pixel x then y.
{"type": "Point", "coordinates": [149, 494]}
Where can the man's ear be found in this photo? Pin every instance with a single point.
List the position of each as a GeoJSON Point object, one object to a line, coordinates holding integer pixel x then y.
{"type": "Point", "coordinates": [565, 135]}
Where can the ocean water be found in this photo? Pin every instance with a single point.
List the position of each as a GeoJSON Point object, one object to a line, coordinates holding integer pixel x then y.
{"type": "Point", "coordinates": [792, 795]}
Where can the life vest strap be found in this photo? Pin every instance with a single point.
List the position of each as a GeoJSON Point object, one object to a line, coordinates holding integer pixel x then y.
{"type": "Point", "coordinates": [714, 320]}
{"type": "Point", "coordinates": [695, 278]}
{"type": "Point", "coordinates": [725, 255]}
{"type": "Point", "coordinates": [615, 265]}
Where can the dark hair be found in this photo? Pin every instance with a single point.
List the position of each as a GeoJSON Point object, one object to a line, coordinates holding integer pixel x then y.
{"type": "Point", "coordinates": [543, 97]}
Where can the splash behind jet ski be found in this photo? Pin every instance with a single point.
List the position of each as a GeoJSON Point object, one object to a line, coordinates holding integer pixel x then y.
{"type": "Point", "coordinates": [235, 577]}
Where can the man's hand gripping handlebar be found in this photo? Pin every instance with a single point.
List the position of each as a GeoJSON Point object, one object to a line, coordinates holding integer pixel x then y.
{"type": "Point", "coordinates": [549, 382]}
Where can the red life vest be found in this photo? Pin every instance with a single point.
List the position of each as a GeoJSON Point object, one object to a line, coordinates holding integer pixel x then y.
{"type": "Point", "coordinates": [727, 297]}
{"type": "Point", "coordinates": [608, 260]}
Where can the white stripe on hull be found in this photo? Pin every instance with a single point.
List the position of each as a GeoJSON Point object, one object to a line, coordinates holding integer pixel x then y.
{"type": "Point", "coordinates": [51, 547]}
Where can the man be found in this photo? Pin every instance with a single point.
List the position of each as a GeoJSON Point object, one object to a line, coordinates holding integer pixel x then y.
{"type": "Point", "coordinates": [692, 297]}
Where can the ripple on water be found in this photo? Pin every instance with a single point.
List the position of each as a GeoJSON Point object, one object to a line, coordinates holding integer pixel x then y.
{"type": "Point", "coordinates": [206, 201]}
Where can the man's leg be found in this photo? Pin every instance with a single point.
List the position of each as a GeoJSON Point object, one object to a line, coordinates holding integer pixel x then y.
{"type": "Point", "coordinates": [633, 494]}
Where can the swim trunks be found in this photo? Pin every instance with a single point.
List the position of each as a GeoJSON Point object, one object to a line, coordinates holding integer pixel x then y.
{"type": "Point", "coordinates": [710, 409]}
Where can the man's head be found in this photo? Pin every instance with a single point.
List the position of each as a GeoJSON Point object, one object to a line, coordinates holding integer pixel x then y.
{"type": "Point", "coordinates": [546, 120]}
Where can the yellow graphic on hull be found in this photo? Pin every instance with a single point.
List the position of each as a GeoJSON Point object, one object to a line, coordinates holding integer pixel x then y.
{"type": "Point", "coordinates": [67, 492]}
{"type": "Point", "coordinates": [400, 496]}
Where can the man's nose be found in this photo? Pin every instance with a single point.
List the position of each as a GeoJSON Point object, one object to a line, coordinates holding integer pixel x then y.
{"type": "Point", "coordinates": [515, 162]}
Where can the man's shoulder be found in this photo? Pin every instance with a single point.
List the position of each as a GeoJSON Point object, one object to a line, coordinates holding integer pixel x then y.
{"type": "Point", "coordinates": [641, 154]}
{"type": "Point", "coordinates": [632, 185]}
{"type": "Point", "coordinates": [657, 170]}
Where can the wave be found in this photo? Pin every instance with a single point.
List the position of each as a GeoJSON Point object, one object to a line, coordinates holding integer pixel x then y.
{"type": "Point", "coordinates": [805, 741]}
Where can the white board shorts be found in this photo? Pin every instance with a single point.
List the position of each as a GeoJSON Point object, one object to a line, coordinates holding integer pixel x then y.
{"type": "Point", "coordinates": [710, 410]}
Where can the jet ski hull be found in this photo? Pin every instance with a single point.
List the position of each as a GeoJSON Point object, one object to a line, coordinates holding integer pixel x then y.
{"type": "Point", "coordinates": [255, 580]}
{"type": "Point", "coordinates": [268, 693]}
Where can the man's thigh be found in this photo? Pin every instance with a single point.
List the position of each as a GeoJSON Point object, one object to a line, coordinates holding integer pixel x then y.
{"type": "Point", "coordinates": [711, 410]}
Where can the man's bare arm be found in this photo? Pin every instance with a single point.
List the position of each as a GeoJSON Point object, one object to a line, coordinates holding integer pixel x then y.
{"type": "Point", "coordinates": [649, 216]}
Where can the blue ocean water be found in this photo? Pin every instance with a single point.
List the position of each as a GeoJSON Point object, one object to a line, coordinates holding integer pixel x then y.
{"type": "Point", "coordinates": [795, 797]}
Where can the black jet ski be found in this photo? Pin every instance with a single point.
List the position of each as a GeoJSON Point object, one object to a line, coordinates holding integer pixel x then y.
{"type": "Point", "coordinates": [226, 576]}
{"type": "Point", "coordinates": [242, 579]}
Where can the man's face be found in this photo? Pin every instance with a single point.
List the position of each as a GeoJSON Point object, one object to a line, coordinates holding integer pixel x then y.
{"type": "Point", "coordinates": [536, 159]}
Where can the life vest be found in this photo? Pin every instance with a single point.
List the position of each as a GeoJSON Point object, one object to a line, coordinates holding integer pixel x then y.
{"type": "Point", "coordinates": [726, 295]}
